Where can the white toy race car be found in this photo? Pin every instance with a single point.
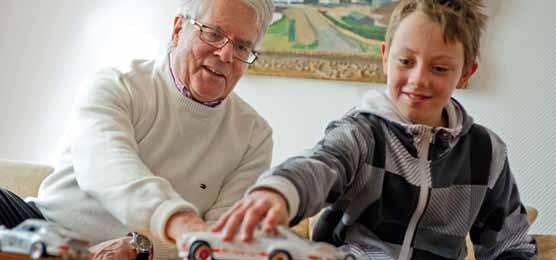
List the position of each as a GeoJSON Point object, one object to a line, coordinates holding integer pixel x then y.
{"type": "Point", "coordinates": [286, 245]}
{"type": "Point", "coordinates": [39, 238]}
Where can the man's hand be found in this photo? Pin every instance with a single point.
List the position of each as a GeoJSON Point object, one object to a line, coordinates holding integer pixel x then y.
{"type": "Point", "coordinates": [264, 206]}
{"type": "Point", "coordinates": [184, 222]}
{"type": "Point", "coordinates": [116, 249]}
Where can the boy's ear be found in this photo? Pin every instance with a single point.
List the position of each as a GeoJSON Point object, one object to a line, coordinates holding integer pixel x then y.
{"type": "Point", "coordinates": [178, 21]}
{"type": "Point", "coordinates": [468, 71]}
{"type": "Point", "coordinates": [384, 53]}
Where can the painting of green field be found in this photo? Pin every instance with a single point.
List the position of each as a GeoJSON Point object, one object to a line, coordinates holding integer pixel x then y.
{"type": "Point", "coordinates": [346, 26]}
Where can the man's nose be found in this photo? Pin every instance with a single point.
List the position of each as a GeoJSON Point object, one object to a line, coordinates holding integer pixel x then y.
{"type": "Point", "coordinates": [226, 53]}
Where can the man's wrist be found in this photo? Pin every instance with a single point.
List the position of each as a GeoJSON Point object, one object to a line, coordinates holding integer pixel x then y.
{"type": "Point", "coordinates": [142, 245]}
{"type": "Point", "coordinates": [177, 223]}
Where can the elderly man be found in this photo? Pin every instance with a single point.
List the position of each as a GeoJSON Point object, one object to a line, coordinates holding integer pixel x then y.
{"type": "Point", "coordinates": [163, 147]}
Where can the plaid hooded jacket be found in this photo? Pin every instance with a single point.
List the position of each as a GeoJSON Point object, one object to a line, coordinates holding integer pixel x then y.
{"type": "Point", "coordinates": [396, 190]}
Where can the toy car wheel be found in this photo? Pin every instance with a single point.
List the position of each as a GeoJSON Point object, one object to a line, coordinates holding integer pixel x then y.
{"type": "Point", "coordinates": [279, 255]}
{"type": "Point", "coordinates": [37, 250]}
{"type": "Point", "coordinates": [200, 250]}
{"type": "Point", "coordinates": [350, 257]}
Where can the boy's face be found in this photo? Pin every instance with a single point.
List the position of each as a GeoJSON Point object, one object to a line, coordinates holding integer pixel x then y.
{"type": "Point", "coordinates": [422, 70]}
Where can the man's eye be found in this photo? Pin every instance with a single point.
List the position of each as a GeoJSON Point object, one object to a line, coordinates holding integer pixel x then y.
{"type": "Point", "coordinates": [213, 35]}
{"type": "Point", "coordinates": [242, 49]}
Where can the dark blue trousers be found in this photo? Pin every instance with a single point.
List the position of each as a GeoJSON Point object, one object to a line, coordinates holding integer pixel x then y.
{"type": "Point", "coordinates": [14, 210]}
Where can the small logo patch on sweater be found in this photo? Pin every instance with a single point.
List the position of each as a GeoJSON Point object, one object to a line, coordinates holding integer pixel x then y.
{"type": "Point", "coordinates": [203, 186]}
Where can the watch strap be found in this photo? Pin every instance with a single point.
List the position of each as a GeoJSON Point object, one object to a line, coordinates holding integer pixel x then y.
{"type": "Point", "coordinates": [143, 256]}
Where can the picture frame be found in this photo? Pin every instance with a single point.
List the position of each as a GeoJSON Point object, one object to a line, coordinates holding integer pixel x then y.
{"type": "Point", "coordinates": [325, 39]}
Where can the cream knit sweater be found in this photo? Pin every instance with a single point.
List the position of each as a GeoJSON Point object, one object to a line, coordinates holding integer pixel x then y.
{"type": "Point", "coordinates": [141, 151]}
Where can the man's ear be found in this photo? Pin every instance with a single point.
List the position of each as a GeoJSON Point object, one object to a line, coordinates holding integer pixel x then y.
{"type": "Point", "coordinates": [384, 53]}
{"type": "Point", "coordinates": [178, 21]}
{"type": "Point", "coordinates": [468, 71]}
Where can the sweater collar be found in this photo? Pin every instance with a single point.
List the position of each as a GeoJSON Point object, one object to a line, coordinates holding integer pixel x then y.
{"type": "Point", "coordinates": [182, 88]}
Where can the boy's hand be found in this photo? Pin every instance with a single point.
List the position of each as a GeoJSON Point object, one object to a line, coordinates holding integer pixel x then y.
{"type": "Point", "coordinates": [260, 206]}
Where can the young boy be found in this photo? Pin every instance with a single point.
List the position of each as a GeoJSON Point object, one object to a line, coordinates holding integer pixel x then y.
{"type": "Point", "coordinates": [406, 174]}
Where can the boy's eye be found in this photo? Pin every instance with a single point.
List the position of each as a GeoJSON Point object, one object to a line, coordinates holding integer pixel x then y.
{"type": "Point", "coordinates": [404, 61]}
{"type": "Point", "coordinates": [439, 69]}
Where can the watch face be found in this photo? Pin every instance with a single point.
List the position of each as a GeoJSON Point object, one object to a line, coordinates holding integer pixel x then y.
{"type": "Point", "coordinates": [142, 243]}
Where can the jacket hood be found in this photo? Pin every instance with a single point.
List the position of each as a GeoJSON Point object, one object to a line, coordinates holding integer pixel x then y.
{"type": "Point", "coordinates": [380, 104]}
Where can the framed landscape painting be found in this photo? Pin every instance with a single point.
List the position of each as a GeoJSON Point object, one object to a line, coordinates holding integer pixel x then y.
{"type": "Point", "coordinates": [325, 39]}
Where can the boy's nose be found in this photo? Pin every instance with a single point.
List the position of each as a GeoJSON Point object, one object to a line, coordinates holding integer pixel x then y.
{"type": "Point", "coordinates": [419, 76]}
{"type": "Point", "coordinates": [226, 53]}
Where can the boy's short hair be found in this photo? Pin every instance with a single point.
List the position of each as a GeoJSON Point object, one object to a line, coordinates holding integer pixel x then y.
{"type": "Point", "coordinates": [460, 20]}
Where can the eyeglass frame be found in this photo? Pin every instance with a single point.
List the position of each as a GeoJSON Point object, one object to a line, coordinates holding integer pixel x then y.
{"type": "Point", "coordinates": [226, 39]}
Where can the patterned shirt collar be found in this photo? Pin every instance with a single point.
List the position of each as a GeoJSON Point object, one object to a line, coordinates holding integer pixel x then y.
{"type": "Point", "coordinates": [185, 91]}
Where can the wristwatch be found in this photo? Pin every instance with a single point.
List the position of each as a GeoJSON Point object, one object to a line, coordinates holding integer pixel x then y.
{"type": "Point", "coordinates": [142, 245]}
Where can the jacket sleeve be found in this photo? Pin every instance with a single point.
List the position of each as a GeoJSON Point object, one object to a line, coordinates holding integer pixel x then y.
{"type": "Point", "coordinates": [500, 231]}
{"type": "Point", "coordinates": [106, 159]}
{"type": "Point", "coordinates": [325, 172]}
{"type": "Point", "coordinates": [255, 161]}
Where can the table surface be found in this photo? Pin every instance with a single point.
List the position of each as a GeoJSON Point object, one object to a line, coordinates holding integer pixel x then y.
{"type": "Point", "coordinates": [547, 244]}
{"type": "Point", "coordinates": [7, 256]}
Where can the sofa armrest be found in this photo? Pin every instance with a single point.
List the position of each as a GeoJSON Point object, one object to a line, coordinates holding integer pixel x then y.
{"type": "Point", "coordinates": [546, 245]}
{"type": "Point", "coordinates": [22, 178]}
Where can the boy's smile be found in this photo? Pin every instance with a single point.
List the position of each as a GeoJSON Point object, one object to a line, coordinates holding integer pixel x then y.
{"type": "Point", "coordinates": [415, 97]}
{"type": "Point", "coordinates": [423, 69]}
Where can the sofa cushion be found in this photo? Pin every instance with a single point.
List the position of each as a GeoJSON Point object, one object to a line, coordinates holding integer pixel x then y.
{"type": "Point", "coordinates": [22, 178]}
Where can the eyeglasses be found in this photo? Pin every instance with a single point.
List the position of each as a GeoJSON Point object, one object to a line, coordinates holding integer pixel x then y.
{"type": "Point", "coordinates": [218, 39]}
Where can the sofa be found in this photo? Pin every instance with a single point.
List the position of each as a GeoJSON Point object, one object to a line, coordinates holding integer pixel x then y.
{"type": "Point", "coordinates": [24, 178]}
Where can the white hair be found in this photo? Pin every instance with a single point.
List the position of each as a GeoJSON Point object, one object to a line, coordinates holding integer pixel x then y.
{"type": "Point", "coordinates": [263, 8]}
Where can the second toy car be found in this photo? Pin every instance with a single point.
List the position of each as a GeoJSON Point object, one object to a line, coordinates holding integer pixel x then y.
{"type": "Point", "coordinates": [38, 238]}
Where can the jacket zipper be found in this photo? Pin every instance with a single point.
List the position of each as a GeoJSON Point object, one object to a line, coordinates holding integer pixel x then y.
{"type": "Point", "coordinates": [406, 251]}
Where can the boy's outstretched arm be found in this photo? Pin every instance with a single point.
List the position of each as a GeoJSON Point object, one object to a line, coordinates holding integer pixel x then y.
{"type": "Point", "coordinates": [302, 185]}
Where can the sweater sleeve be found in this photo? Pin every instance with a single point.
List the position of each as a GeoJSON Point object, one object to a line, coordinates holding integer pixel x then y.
{"type": "Point", "coordinates": [500, 231]}
{"type": "Point", "coordinates": [256, 160]}
{"type": "Point", "coordinates": [324, 173]}
{"type": "Point", "coordinates": [107, 163]}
